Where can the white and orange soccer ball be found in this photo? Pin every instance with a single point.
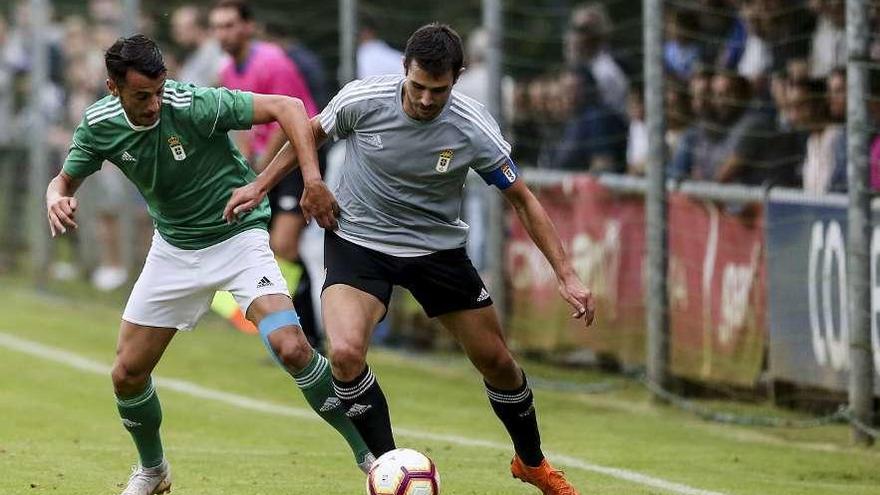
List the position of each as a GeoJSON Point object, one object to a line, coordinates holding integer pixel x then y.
{"type": "Point", "coordinates": [403, 472]}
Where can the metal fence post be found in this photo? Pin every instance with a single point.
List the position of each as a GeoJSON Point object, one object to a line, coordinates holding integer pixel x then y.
{"type": "Point", "coordinates": [38, 147]}
{"type": "Point", "coordinates": [656, 219]}
{"type": "Point", "coordinates": [494, 256]}
{"type": "Point", "coordinates": [348, 27]}
{"type": "Point", "coordinates": [861, 385]}
{"type": "Point", "coordinates": [130, 16]}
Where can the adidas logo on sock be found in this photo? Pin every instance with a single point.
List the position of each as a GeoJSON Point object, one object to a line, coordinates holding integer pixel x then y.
{"type": "Point", "coordinates": [264, 282]}
{"type": "Point", "coordinates": [484, 294]}
{"type": "Point", "coordinates": [527, 412]}
{"type": "Point", "coordinates": [330, 404]}
{"type": "Point", "coordinates": [130, 424]}
{"type": "Point", "coordinates": [357, 410]}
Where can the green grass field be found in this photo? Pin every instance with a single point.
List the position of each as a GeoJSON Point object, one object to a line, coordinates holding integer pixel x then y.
{"type": "Point", "coordinates": [235, 424]}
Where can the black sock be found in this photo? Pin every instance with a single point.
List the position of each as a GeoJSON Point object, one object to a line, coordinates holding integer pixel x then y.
{"type": "Point", "coordinates": [516, 409]}
{"type": "Point", "coordinates": [302, 302]}
{"type": "Point", "coordinates": [368, 410]}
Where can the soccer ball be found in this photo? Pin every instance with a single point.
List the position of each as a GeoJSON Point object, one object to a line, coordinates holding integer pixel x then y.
{"type": "Point", "coordinates": [403, 472]}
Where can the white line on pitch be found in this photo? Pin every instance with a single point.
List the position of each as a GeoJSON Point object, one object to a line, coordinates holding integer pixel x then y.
{"type": "Point", "coordinates": [188, 388]}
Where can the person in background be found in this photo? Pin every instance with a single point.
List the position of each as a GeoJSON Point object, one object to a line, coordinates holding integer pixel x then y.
{"type": "Point", "coordinates": [809, 110]}
{"type": "Point", "coordinates": [374, 56]}
{"type": "Point", "coordinates": [681, 52]}
{"type": "Point", "coordinates": [204, 59]}
{"type": "Point", "coordinates": [829, 38]}
{"type": "Point", "coordinates": [698, 134]}
{"type": "Point", "coordinates": [637, 136]}
{"type": "Point", "coordinates": [264, 67]}
{"type": "Point", "coordinates": [593, 139]}
{"type": "Point", "coordinates": [586, 44]}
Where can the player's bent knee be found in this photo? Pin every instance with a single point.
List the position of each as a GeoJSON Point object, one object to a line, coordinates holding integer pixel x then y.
{"type": "Point", "coordinates": [127, 381]}
{"type": "Point", "coordinates": [497, 366]}
{"type": "Point", "coordinates": [292, 351]}
{"type": "Point", "coordinates": [347, 361]}
{"type": "Point", "coordinates": [287, 350]}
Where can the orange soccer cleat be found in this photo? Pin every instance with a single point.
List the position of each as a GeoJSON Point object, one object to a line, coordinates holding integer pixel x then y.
{"type": "Point", "coordinates": [550, 481]}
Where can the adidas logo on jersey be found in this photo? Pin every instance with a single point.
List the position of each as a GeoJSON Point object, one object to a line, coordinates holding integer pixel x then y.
{"type": "Point", "coordinates": [484, 294]}
{"type": "Point", "coordinates": [264, 282]}
{"type": "Point", "coordinates": [330, 404]}
{"type": "Point", "coordinates": [127, 157]}
{"type": "Point", "coordinates": [357, 410]}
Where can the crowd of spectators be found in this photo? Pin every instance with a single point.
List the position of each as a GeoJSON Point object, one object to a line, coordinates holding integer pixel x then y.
{"type": "Point", "coordinates": [755, 94]}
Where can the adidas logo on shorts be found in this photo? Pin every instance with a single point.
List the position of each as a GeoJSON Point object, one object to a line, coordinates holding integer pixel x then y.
{"type": "Point", "coordinates": [264, 282]}
{"type": "Point", "coordinates": [484, 294]}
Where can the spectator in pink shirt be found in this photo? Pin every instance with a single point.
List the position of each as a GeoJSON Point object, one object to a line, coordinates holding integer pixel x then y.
{"type": "Point", "coordinates": [263, 67]}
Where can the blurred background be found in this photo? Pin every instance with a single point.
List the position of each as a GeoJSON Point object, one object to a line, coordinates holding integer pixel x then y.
{"type": "Point", "coordinates": [747, 122]}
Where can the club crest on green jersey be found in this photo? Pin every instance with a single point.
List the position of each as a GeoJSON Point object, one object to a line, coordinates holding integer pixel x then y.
{"type": "Point", "coordinates": [177, 148]}
{"type": "Point", "coordinates": [444, 160]}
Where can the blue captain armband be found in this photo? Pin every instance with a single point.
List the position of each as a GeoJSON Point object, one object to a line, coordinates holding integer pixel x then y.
{"type": "Point", "coordinates": [502, 177]}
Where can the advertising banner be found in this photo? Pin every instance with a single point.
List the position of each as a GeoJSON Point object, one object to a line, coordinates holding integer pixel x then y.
{"type": "Point", "coordinates": [716, 286]}
{"type": "Point", "coordinates": [809, 330]}
{"type": "Point", "coordinates": [603, 232]}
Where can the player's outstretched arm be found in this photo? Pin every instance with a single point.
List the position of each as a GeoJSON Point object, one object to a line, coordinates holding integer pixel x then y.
{"type": "Point", "coordinates": [315, 196]}
{"type": "Point", "coordinates": [543, 233]}
{"type": "Point", "coordinates": [60, 203]}
{"type": "Point", "coordinates": [317, 200]}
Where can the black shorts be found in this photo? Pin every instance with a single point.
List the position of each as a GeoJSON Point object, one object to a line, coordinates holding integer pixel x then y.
{"type": "Point", "coordinates": [441, 282]}
{"type": "Point", "coordinates": [284, 197]}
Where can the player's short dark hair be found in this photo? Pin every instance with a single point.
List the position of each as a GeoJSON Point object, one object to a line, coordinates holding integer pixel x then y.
{"type": "Point", "coordinates": [436, 48]}
{"type": "Point", "coordinates": [138, 53]}
{"type": "Point", "coordinates": [241, 6]}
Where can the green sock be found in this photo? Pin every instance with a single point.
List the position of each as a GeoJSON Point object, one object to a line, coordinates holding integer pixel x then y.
{"type": "Point", "coordinates": [316, 384]}
{"type": "Point", "coordinates": [141, 416]}
{"type": "Point", "coordinates": [291, 271]}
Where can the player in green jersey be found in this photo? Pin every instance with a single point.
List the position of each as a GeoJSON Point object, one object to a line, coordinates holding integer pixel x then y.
{"type": "Point", "coordinates": [170, 139]}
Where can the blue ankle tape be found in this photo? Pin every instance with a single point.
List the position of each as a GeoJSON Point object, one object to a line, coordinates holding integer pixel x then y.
{"type": "Point", "coordinates": [274, 321]}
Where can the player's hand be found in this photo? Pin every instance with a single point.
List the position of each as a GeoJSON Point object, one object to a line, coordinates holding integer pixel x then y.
{"type": "Point", "coordinates": [243, 200]}
{"type": "Point", "coordinates": [579, 297]}
{"type": "Point", "coordinates": [62, 214]}
{"type": "Point", "coordinates": [319, 203]}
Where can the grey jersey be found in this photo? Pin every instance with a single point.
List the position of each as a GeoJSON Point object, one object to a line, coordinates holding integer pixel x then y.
{"type": "Point", "coordinates": [402, 184]}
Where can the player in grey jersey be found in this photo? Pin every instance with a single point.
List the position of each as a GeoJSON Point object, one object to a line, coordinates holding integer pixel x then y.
{"type": "Point", "coordinates": [410, 141]}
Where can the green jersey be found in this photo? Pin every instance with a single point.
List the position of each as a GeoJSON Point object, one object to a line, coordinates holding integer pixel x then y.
{"type": "Point", "coordinates": [184, 165]}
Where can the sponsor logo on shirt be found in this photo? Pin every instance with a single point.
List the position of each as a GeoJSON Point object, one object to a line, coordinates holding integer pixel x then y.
{"type": "Point", "coordinates": [127, 157]}
{"type": "Point", "coordinates": [177, 148]}
{"type": "Point", "coordinates": [509, 173]}
{"type": "Point", "coordinates": [264, 282]}
{"type": "Point", "coordinates": [444, 161]}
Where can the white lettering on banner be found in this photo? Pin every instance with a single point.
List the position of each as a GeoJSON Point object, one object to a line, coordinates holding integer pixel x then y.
{"type": "Point", "coordinates": [533, 270]}
{"type": "Point", "coordinates": [817, 244]}
{"type": "Point", "coordinates": [736, 286]}
{"type": "Point", "coordinates": [875, 298]}
{"type": "Point", "coordinates": [597, 263]}
{"type": "Point", "coordinates": [830, 342]}
{"type": "Point", "coordinates": [838, 341]}
{"type": "Point", "coordinates": [708, 275]}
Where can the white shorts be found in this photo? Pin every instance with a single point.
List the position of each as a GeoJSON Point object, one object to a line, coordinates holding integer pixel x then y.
{"type": "Point", "coordinates": [176, 286]}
